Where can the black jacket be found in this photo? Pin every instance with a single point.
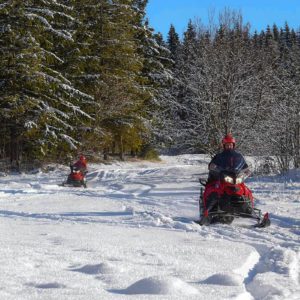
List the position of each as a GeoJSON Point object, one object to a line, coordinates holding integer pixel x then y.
{"type": "Point", "coordinates": [227, 160]}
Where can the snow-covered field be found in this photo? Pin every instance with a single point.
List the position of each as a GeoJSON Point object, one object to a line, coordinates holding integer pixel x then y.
{"type": "Point", "coordinates": [130, 235]}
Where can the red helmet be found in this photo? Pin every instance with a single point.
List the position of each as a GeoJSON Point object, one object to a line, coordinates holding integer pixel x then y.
{"type": "Point", "coordinates": [82, 158]}
{"type": "Point", "coordinates": [228, 138]}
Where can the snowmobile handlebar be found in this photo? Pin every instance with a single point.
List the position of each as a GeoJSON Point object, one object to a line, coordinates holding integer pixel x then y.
{"type": "Point", "coordinates": [219, 170]}
{"type": "Point", "coordinates": [203, 181]}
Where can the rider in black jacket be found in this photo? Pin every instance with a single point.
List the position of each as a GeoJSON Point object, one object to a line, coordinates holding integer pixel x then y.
{"type": "Point", "coordinates": [226, 159]}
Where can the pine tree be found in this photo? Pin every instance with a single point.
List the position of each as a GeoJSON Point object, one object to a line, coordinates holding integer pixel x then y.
{"type": "Point", "coordinates": [127, 116]}
{"type": "Point", "coordinates": [156, 76]}
{"type": "Point", "coordinates": [162, 71]}
{"type": "Point", "coordinates": [38, 103]}
{"type": "Point", "coordinates": [275, 32]}
{"type": "Point", "coordinates": [173, 43]}
{"type": "Point", "coordinates": [286, 37]}
{"type": "Point", "coordinates": [177, 108]}
{"type": "Point", "coordinates": [85, 67]}
{"type": "Point", "coordinates": [108, 66]}
{"type": "Point", "coordinates": [268, 36]}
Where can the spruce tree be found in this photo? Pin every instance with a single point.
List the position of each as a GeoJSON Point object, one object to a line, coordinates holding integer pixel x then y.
{"type": "Point", "coordinates": [286, 37]}
{"type": "Point", "coordinates": [108, 65]}
{"type": "Point", "coordinates": [275, 32]}
{"type": "Point", "coordinates": [38, 104]}
{"type": "Point", "coordinates": [173, 43]}
{"type": "Point", "coordinates": [268, 36]}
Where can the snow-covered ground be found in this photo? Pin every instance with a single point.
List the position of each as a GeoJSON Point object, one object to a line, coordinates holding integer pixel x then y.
{"type": "Point", "coordinates": [130, 235]}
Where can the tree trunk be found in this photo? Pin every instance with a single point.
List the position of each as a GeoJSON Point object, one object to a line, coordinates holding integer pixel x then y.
{"type": "Point", "coordinates": [121, 148]}
{"type": "Point", "coordinates": [297, 146]}
{"type": "Point", "coordinates": [14, 150]}
{"type": "Point", "coordinates": [105, 153]}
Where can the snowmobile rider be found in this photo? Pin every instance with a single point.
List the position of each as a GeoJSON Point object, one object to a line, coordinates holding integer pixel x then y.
{"type": "Point", "coordinates": [222, 160]}
{"type": "Point", "coordinates": [80, 164]}
{"type": "Point", "coordinates": [225, 159]}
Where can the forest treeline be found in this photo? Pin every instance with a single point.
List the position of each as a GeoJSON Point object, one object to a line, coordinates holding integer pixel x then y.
{"type": "Point", "coordinates": [92, 76]}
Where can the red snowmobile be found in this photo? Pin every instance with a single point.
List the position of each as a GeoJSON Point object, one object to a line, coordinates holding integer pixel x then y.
{"type": "Point", "coordinates": [76, 177]}
{"type": "Point", "coordinates": [228, 197]}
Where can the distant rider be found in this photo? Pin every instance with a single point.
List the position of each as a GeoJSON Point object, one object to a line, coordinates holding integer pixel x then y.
{"type": "Point", "coordinates": [80, 164]}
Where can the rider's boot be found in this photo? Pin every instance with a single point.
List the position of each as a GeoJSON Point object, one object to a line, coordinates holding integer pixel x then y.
{"type": "Point", "coordinates": [211, 202]}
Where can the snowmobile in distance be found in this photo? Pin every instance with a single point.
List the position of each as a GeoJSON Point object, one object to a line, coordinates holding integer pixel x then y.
{"type": "Point", "coordinates": [76, 178]}
{"type": "Point", "coordinates": [233, 198]}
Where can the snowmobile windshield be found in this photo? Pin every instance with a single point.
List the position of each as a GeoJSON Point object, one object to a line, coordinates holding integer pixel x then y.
{"type": "Point", "coordinates": [231, 161]}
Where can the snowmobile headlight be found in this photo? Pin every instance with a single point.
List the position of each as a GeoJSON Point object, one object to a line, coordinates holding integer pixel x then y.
{"type": "Point", "coordinates": [228, 179]}
{"type": "Point", "coordinates": [239, 180]}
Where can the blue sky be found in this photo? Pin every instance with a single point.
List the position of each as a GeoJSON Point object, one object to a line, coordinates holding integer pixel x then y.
{"type": "Point", "coordinates": [259, 13]}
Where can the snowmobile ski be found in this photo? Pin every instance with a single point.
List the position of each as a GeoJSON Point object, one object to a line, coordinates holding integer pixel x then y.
{"type": "Point", "coordinates": [265, 222]}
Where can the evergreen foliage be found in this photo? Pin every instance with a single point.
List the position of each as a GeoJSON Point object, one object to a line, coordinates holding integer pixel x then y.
{"type": "Point", "coordinates": [38, 103]}
{"type": "Point", "coordinates": [92, 76]}
{"type": "Point", "coordinates": [173, 43]}
{"type": "Point", "coordinates": [74, 77]}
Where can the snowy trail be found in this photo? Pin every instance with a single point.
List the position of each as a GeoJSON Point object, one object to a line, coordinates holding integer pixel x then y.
{"type": "Point", "coordinates": [279, 244]}
{"type": "Point", "coordinates": [130, 234]}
